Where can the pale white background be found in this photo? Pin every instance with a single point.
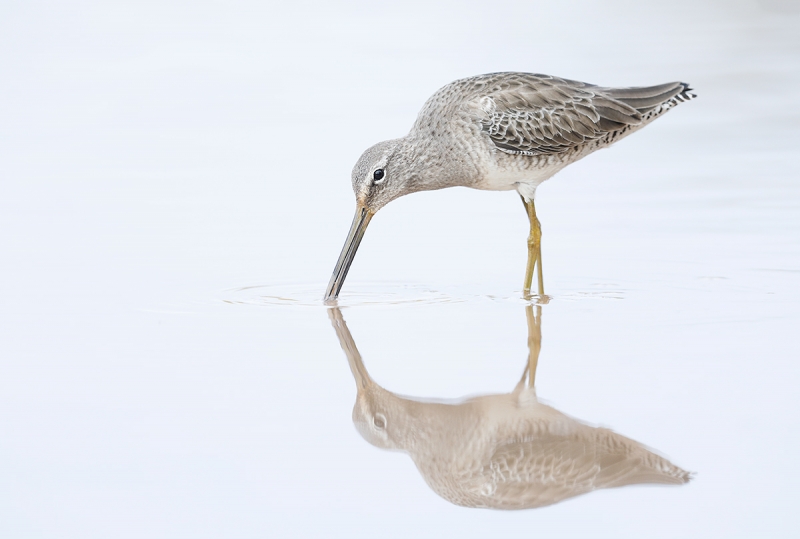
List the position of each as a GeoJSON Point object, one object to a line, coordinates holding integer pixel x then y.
{"type": "Point", "coordinates": [157, 156]}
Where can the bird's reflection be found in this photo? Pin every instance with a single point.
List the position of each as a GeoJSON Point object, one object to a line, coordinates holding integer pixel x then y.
{"type": "Point", "coordinates": [506, 451]}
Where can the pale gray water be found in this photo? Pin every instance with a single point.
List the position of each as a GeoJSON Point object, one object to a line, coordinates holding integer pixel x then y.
{"type": "Point", "coordinates": [157, 159]}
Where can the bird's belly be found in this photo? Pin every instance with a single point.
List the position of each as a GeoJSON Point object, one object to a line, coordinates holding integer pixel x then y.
{"type": "Point", "coordinates": [524, 179]}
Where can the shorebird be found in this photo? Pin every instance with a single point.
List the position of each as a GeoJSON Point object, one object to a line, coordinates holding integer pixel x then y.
{"type": "Point", "coordinates": [506, 451]}
{"type": "Point", "coordinates": [501, 131]}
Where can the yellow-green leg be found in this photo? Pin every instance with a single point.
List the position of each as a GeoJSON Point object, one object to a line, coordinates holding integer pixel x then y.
{"type": "Point", "coordinates": [534, 250]}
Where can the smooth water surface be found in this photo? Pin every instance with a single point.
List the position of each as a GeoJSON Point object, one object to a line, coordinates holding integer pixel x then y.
{"type": "Point", "coordinates": [174, 192]}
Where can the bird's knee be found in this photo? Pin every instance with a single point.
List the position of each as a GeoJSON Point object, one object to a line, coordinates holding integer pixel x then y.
{"type": "Point", "coordinates": [535, 238]}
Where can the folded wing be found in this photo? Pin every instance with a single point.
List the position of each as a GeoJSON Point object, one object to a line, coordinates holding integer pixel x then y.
{"type": "Point", "coordinates": [544, 470]}
{"type": "Point", "coordinates": [531, 114]}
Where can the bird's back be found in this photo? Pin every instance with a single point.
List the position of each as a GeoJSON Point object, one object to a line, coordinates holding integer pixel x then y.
{"type": "Point", "coordinates": [534, 114]}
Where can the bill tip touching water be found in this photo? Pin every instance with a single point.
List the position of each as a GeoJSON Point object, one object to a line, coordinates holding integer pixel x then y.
{"type": "Point", "coordinates": [499, 132]}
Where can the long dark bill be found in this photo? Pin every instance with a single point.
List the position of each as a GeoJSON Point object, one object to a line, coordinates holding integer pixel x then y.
{"type": "Point", "coordinates": [360, 222]}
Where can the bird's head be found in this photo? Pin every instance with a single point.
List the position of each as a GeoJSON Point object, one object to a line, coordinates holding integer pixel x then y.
{"type": "Point", "coordinates": [374, 422]}
{"type": "Point", "coordinates": [383, 173]}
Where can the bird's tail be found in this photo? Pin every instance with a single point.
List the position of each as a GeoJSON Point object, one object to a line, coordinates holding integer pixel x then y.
{"type": "Point", "coordinates": [648, 98]}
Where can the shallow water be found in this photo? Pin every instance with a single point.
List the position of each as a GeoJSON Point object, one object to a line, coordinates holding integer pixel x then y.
{"type": "Point", "coordinates": [175, 192]}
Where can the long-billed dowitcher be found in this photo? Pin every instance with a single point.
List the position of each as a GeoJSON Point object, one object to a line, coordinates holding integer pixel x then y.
{"type": "Point", "coordinates": [503, 451]}
{"type": "Point", "coordinates": [501, 131]}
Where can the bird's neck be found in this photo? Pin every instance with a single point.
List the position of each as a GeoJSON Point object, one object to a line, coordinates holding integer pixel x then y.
{"type": "Point", "coordinates": [434, 163]}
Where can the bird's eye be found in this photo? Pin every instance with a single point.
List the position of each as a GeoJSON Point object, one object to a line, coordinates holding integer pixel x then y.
{"type": "Point", "coordinates": [379, 421]}
{"type": "Point", "coordinates": [378, 175]}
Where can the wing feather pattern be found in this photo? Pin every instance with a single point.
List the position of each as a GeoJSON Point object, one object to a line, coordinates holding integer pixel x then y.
{"type": "Point", "coordinates": [533, 114]}
{"type": "Point", "coordinates": [544, 470]}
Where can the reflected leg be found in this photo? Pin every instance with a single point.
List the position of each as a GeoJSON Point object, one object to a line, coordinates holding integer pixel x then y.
{"type": "Point", "coordinates": [534, 250]}
{"type": "Point", "coordinates": [534, 341]}
{"type": "Point", "coordinates": [534, 319]}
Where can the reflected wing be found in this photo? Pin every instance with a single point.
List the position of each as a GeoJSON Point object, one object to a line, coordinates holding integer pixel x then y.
{"type": "Point", "coordinates": [547, 469]}
{"type": "Point", "coordinates": [531, 114]}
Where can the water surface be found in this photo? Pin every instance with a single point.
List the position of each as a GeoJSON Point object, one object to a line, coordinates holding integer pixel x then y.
{"type": "Point", "coordinates": [174, 192]}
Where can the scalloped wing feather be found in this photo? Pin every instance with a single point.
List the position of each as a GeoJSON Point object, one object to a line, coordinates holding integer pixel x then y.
{"type": "Point", "coordinates": [545, 469]}
{"type": "Point", "coordinates": [533, 114]}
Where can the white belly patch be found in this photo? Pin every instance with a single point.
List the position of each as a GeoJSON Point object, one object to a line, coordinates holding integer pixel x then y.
{"type": "Point", "coordinates": [525, 181]}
